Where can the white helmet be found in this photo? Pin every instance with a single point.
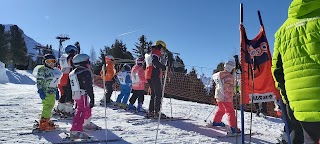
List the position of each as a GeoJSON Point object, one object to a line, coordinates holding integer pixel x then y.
{"type": "Point", "coordinates": [140, 60]}
{"type": "Point", "coordinates": [229, 65]}
{"type": "Point", "coordinates": [109, 57]}
{"type": "Point", "coordinates": [80, 59]}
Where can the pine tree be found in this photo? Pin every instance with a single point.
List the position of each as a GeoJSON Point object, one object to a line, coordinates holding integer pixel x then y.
{"type": "Point", "coordinates": [179, 65]}
{"type": "Point", "coordinates": [98, 65]}
{"type": "Point", "coordinates": [142, 47]}
{"type": "Point", "coordinates": [119, 50]}
{"type": "Point", "coordinates": [93, 57]}
{"type": "Point", "coordinates": [17, 48]}
{"type": "Point", "coordinates": [3, 45]}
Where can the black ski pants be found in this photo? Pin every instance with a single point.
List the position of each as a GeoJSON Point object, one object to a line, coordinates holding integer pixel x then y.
{"type": "Point", "coordinates": [262, 109]}
{"type": "Point", "coordinates": [156, 94]}
{"type": "Point", "coordinates": [137, 94]}
{"type": "Point", "coordinates": [109, 91]}
{"type": "Point", "coordinates": [67, 95]}
{"type": "Point", "coordinates": [295, 128]}
{"type": "Point", "coordinates": [313, 130]}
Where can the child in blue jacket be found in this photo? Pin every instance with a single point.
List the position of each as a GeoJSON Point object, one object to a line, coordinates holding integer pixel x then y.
{"type": "Point", "coordinates": [125, 86]}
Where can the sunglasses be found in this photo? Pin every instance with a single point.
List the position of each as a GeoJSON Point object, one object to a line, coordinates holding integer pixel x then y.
{"type": "Point", "coordinates": [49, 61]}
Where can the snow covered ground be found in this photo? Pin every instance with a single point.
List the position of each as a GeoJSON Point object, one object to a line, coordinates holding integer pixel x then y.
{"type": "Point", "coordinates": [20, 105]}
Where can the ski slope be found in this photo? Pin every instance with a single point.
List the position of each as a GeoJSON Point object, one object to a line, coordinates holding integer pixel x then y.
{"type": "Point", "coordinates": [20, 105]}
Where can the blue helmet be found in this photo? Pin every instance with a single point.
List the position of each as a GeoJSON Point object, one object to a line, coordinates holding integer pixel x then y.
{"type": "Point", "coordinates": [68, 49]}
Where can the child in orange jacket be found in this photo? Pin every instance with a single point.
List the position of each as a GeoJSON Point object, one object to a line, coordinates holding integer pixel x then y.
{"type": "Point", "coordinates": [108, 78]}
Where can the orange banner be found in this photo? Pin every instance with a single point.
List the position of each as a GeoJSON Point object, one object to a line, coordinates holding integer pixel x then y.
{"type": "Point", "coordinates": [256, 65]}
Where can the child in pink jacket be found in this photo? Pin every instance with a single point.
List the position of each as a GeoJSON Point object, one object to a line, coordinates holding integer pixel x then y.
{"type": "Point", "coordinates": [224, 96]}
{"type": "Point", "coordinates": [138, 82]}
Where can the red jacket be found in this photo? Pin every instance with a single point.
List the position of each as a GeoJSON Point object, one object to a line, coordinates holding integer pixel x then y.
{"type": "Point", "coordinates": [153, 66]}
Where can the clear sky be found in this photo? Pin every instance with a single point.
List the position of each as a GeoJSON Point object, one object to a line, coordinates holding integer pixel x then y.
{"type": "Point", "coordinates": [204, 32]}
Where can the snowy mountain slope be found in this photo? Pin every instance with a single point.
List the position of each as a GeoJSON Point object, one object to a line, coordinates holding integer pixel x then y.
{"type": "Point", "coordinates": [21, 105]}
{"type": "Point", "coordinates": [30, 43]}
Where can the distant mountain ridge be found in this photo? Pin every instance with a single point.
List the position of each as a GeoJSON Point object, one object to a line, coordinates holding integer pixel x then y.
{"type": "Point", "coordinates": [30, 43]}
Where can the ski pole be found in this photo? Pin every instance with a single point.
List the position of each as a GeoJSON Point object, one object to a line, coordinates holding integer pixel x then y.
{"type": "Point", "coordinates": [210, 113]}
{"type": "Point", "coordinates": [164, 86]}
{"type": "Point", "coordinates": [105, 99]}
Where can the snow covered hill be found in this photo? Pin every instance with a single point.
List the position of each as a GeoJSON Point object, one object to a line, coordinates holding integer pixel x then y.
{"type": "Point", "coordinates": [30, 43]}
{"type": "Point", "coordinates": [21, 105]}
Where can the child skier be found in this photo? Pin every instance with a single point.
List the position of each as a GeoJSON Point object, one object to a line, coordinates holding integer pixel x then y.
{"type": "Point", "coordinates": [138, 81]}
{"type": "Point", "coordinates": [108, 77]}
{"type": "Point", "coordinates": [47, 79]}
{"type": "Point", "coordinates": [65, 105]}
{"type": "Point", "coordinates": [125, 86]}
{"type": "Point", "coordinates": [224, 96]}
{"type": "Point", "coordinates": [82, 93]}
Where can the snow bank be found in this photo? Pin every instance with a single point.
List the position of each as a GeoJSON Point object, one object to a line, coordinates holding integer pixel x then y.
{"type": "Point", "coordinates": [3, 76]}
{"type": "Point", "coordinates": [20, 77]}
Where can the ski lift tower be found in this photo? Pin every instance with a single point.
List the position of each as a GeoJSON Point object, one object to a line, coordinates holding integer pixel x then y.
{"type": "Point", "coordinates": [61, 39]}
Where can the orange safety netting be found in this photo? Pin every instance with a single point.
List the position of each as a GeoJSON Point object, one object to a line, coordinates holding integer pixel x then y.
{"type": "Point", "coordinates": [188, 87]}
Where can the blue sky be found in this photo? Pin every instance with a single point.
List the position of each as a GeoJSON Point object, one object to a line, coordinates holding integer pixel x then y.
{"type": "Point", "coordinates": [204, 32]}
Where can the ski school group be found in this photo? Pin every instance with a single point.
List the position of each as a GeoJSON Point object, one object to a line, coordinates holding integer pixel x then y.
{"type": "Point", "coordinates": [294, 72]}
{"type": "Point", "coordinates": [72, 82]}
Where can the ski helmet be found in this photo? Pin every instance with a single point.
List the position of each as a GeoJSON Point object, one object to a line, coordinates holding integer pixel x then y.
{"type": "Point", "coordinates": [81, 59]}
{"type": "Point", "coordinates": [160, 44]}
{"type": "Point", "coordinates": [229, 65]}
{"type": "Point", "coordinates": [109, 58]}
{"type": "Point", "coordinates": [140, 60]}
{"type": "Point", "coordinates": [70, 49]}
{"type": "Point", "coordinates": [49, 58]}
{"type": "Point", "coordinates": [126, 67]}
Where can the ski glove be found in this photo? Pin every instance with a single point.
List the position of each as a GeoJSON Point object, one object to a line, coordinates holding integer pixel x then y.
{"type": "Point", "coordinates": [57, 94]}
{"type": "Point", "coordinates": [42, 94]}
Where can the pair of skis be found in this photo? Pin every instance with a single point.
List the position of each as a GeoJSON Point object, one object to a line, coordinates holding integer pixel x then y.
{"type": "Point", "coordinates": [89, 140]}
{"type": "Point", "coordinates": [225, 130]}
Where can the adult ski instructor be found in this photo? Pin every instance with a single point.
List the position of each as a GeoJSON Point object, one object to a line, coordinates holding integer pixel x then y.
{"type": "Point", "coordinates": [296, 64]}
{"type": "Point", "coordinates": [153, 75]}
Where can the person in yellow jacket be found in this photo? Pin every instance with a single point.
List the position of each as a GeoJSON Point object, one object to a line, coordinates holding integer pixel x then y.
{"type": "Point", "coordinates": [296, 64]}
{"type": "Point", "coordinates": [108, 77]}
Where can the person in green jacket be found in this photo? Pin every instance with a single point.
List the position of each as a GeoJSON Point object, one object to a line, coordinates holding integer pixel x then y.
{"type": "Point", "coordinates": [296, 64]}
{"type": "Point", "coordinates": [47, 82]}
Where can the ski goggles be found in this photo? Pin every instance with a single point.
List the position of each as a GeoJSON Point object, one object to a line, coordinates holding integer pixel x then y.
{"type": "Point", "coordinates": [49, 61]}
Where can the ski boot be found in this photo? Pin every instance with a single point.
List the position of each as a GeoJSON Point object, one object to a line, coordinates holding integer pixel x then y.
{"type": "Point", "coordinates": [140, 109]}
{"type": "Point", "coordinates": [91, 127]}
{"type": "Point", "coordinates": [162, 116]}
{"type": "Point", "coordinates": [59, 109]}
{"type": "Point", "coordinates": [234, 130]}
{"type": "Point", "coordinates": [221, 124]}
{"type": "Point", "coordinates": [131, 107]}
{"type": "Point", "coordinates": [110, 102]}
{"type": "Point", "coordinates": [78, 135]}
{"type": "Point", "coordinates": [150, 115]}
{"type": "Point", "coordinates": [123, 106]}
{"type": "Point", "coordinates": [46, 124]}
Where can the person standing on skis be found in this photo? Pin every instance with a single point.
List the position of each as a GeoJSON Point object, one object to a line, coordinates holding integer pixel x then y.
{"type": "Point", "coordinates": [224, 96]}
{"type": "Point", "coordinates": [153, 75]}
{"type": "Point", "coordinates": [125, 82]}
{"type": "Point", "coordinates": [82, 92]}
{"type": "Point", "coordinates": [138, 82]}
{"type": "Point", "coordinates": [65, 105]}
{"type": "Point", "coordinates": [47, 80]}
{"type": "Point", "coordinates": [108, 77]}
